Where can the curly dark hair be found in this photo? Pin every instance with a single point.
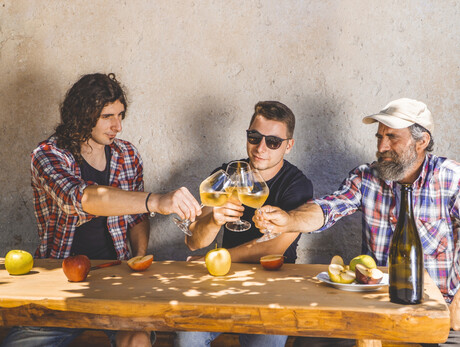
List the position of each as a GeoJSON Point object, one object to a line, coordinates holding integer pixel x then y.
{"type": "Point", "coordinates": [82, 108]}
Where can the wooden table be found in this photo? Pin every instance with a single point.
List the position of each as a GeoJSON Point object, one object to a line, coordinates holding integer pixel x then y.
{"type": "Point", "coordinates": [174, 295]}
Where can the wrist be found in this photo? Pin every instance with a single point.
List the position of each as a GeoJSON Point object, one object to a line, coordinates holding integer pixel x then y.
{"type": "Point", "coordinates": [215, 222]}
{"type": "Point", "coordinates": [151, 204]}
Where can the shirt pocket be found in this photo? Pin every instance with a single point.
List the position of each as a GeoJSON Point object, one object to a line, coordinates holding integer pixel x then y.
{"type": "Point", "coordinates": [434, 234]}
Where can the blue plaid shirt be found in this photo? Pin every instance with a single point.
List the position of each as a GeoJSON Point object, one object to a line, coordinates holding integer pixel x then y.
{"type": "Point", "coordinates": [436, 209]}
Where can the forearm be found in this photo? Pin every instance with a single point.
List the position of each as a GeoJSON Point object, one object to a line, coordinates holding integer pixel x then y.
{"type": "Point", "coordinates": [252, 251]}
{"type": "Point", "coordinates": [111, 201]}
{"type": "Point", "coordinates": [139, 237]}
{"type": "Point", "coordinates": [305, 219]}
{"type": "Point", "coordinates": [204, 231]}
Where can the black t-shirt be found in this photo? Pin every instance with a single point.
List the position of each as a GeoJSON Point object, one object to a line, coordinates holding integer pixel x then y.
{"type": "Point", "coordinates": [289, 189]}
{"type": "Point", "coordinates": [93, 238]}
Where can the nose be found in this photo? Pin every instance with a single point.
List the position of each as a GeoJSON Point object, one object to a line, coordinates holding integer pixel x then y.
{"type": "Point", "coordinates": [383, 145]}
{"type": "Point", "coordinates": [262, 146]}
{"type": "Point", "coordinates": [116, 124]}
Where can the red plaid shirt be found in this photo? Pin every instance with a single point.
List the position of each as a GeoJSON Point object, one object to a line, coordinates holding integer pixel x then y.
{"type": "Point", "coordinates": [436, 208]}
{"type": "Point", "coordinates": [58, 189]}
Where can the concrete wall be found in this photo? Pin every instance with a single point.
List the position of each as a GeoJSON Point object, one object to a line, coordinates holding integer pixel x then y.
{"type": "Point", "coordinates": [194, 70]}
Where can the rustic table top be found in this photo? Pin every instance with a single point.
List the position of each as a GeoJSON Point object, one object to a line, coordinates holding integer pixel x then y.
{"type": "Point", "coordinates": [174, 295]}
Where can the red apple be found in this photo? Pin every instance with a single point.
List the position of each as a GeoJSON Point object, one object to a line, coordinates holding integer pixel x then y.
{"type": "Point", "coordinates": [365, 275]}
{"type": "Point", "coordinates": [76, 268]}
{"type": "Point", "coordinates": [140, 263]}
{"type": "Point", "coordinates": [272, 262]}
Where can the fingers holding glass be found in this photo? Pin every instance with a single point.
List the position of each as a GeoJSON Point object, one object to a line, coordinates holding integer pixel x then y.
{"type": "Point", "coordinates": [214, 192]}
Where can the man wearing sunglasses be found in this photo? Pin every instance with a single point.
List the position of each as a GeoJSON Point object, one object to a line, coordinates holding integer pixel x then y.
{"type": "Point", "coordinates": [269, 138]}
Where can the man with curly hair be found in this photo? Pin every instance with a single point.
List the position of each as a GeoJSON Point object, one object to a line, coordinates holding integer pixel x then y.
{"type": "Point", "coordinates": [89, 195]}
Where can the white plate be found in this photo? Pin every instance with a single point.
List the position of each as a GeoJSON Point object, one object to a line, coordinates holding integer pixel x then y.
{"type": "Point", "coordinates": [353, 287]}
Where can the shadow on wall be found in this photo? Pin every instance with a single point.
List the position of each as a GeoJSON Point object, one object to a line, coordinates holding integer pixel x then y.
{"type": "Point", "coordinates": [323, 131]}
{"type": "Point", "coordinates": [203, 149]}
{"type": "Point", "coordinates": [28, 116]}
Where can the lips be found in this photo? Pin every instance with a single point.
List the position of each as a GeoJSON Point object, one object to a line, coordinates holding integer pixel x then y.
{"type": "Point", "coordinates": [255, 157]}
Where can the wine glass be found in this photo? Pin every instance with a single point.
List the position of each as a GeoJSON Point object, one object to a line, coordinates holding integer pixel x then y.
{"type": "Point", "coordinates": [236, 170]}
{"type": "Point", "coordinates": [255, 195]}
{"type": "Point", "coordinates": [214, 192]}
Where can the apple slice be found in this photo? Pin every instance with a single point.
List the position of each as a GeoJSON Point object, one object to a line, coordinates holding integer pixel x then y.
{"type": "Point", "coordinates": [340, 274]}
{"type": "Point", "coordinates": [272, 262]}
{"type": "Point", "coordinates": [140, 263]}
{"type": "Point", "coordinates": [337, 259]}
{"type": "Point", "coordinates": [365, 275]}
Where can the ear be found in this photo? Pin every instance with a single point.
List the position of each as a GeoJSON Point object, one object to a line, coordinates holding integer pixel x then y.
{"type": "Point", "coordinates": [422, 144]}
{"type": "Point", "coordinates": [290, 144]}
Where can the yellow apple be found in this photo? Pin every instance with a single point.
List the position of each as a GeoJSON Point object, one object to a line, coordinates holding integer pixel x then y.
{"type": "Point", "coordinates": [364, 259]}
{"type": "Point", "coordinates": [218, 261]}
{"type": "Point", "coordinates": [18, 262]}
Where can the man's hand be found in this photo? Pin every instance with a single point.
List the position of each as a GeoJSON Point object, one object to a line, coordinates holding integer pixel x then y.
{"type": "Point", "coordinates": [195, 257]}
{"type": "Point", "coordinates": [231, 211]}
{"type": "Point", "coordinates": [179, 201]}
{"type": "Point", "coordinates": [272, 218]}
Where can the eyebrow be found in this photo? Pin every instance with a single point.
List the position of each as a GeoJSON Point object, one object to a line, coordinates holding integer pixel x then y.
{"type": "Point", "coordinates": [112, 114]}
{"type": "Point", "coordinates": [387, 135]}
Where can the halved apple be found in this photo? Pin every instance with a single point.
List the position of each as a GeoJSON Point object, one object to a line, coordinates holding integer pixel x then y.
{"type": "Point", "coordinates": [364, 259]}
{"type": "Point", "coordinates": [365, 275]}
{"type": "Point", "coordinates": [272, 262]}
{"type": "Point", "coordinates": [339, 272]}
{"type": "Point", "coordinates": [140, 263]}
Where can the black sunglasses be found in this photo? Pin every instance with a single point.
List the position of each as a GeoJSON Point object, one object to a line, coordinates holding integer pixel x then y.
{"type": "Point", "coordinates": [272, 142]}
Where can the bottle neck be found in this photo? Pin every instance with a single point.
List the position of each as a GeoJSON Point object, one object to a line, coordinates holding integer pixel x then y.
{"type": "Point", "coordinates": [406, 200]}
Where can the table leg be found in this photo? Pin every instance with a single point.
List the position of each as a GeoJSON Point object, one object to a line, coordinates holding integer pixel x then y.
{"type": "Point", "coordinates": [368, 343]}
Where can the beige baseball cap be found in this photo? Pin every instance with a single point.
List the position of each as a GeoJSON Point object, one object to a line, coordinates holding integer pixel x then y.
{"type": "Point", "coordinates": [402, 113]}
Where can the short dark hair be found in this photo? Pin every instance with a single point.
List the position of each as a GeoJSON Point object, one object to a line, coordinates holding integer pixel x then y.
{"type": "Point", "coordinates": [82, 108]}
{"type": "Point", "coordinates": [277, 111]}
{"type": "Point", "coordinates": [416, 131]}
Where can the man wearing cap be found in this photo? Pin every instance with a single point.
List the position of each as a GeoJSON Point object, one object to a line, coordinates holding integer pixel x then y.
{"type": "Point", "coordinates": [404, 140]}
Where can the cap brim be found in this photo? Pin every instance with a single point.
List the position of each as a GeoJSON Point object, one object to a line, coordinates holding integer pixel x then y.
{"type": "Point", "coordinates": [390, 121]}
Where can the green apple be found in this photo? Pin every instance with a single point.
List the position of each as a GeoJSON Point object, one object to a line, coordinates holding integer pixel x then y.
{"type": "Point", "coordinates": [364, 259]}
{"type": "Point", "coordinates": [18, 262]}
{"type": "Point", "coordinates": [218, 261]}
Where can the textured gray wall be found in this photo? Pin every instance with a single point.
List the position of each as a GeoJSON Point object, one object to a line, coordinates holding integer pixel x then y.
{"type": "Point", "coordinates": [194, 70]}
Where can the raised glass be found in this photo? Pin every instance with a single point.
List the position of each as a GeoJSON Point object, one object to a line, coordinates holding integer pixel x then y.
{"type": "Point", "coordinates": [237, 170]}
{"type": "Point", "coordinates": [214, 191]}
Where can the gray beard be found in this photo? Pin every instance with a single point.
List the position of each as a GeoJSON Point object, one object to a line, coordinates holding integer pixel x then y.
{"type": "Point", "coordinates": [397, 169]}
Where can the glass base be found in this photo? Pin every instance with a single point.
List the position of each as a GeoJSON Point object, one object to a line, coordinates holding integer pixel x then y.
{"type": "Point", "coordinates": [238, 226]}
{"type": "Point", "coordinates": [183, 225]}
{"type": "Point", "coordinates": [268, 236]}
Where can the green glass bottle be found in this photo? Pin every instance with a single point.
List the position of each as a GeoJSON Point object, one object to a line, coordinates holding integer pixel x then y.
{"type": "Point", "coordinates": [406, 255]}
